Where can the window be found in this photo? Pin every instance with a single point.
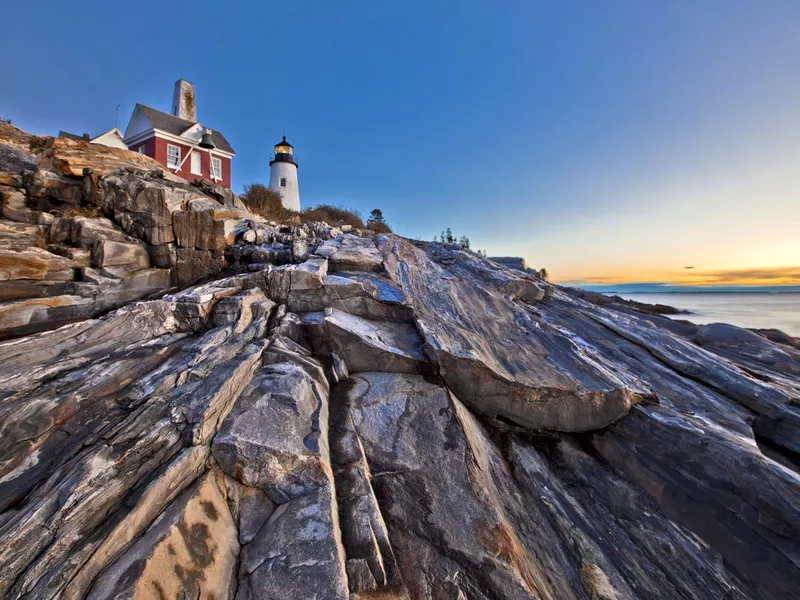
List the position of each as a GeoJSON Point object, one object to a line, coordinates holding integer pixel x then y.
{"type": "Point", "coordinates": [196, 165]}
{"type": "Point", "coordinates": [216, 167]}
{"type": "Point", "coordinates": [283, 181]}
{"type": "Point", "coordinates": [142, 149]}
{"type": "Point", "coordinates": [173, 156]}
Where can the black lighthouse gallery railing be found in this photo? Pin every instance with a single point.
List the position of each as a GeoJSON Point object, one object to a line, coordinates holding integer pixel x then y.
{"type": "Point", "coordinates": [283, 157]}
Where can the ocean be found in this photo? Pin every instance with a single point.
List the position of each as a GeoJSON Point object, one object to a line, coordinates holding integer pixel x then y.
{"type": "Point", "coordinates": [754, 310]}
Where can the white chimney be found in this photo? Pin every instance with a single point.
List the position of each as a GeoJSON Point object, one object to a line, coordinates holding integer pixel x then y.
{"type": "Point", "coordinates": [184, 102]}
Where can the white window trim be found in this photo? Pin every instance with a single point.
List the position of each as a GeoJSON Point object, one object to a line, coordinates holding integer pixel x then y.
{"type": "Point", "coordinates": [215, 160]}
{"type": "Point", "coordinates": [142, 149]}
{"type": "Point", "coordinates": [199, 170]}
{"type": "Point", "coordinates": [178, 162]}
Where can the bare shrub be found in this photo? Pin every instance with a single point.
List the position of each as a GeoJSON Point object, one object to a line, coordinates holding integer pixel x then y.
{"type": "Point", "coordinates": [263, 201]}
{"type": "Point", "coordinates": [332, 215]}
{"type": "Point", "coordinates": [380, 228]}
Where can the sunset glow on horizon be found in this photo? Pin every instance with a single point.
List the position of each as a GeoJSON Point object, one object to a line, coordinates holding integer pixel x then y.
{"type": "Point", "coordinates": [694, 277]}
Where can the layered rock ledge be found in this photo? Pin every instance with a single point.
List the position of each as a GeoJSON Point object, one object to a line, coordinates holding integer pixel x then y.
{"type": "Point", "coordinates": [301, 412]}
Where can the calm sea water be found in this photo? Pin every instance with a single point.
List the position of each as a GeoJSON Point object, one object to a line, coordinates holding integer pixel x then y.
{"type": "Point", "coordinates": [759, 311]}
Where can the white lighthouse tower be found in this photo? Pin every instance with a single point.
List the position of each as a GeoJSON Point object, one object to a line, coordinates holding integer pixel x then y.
{"type": "Point", "coordinates": [283, 175]}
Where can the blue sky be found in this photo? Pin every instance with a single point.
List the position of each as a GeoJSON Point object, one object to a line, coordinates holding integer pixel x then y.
{"type": "Point", "coordinates": [607, 141]}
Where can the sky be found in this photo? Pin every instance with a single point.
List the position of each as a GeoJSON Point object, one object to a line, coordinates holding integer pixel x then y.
{"type": "Point", "coordinates": [609, 141]}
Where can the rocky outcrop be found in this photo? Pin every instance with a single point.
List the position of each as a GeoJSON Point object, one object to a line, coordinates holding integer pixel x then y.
{"type": "Point", "coordinates": [377, 418]}
{"type": "Point", "coordinates": [86, 228]}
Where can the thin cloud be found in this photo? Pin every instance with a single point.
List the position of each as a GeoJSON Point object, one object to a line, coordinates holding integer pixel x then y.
{"type": "Point", "coordinates": [693, 277]}
{"type": "Point", "coordinates": [774, 276]}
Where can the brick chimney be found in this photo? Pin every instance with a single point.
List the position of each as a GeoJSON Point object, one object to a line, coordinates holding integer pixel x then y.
{"type": "Point", "coordinates": [184, 101]}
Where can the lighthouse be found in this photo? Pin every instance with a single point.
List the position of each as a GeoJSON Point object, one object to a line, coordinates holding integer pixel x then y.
{"type": "Point", "coordinates": [283, 175]}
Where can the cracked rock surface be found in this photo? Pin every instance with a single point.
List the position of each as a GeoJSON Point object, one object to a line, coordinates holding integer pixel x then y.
{"type": "Point", "coordinates": [376, 418]}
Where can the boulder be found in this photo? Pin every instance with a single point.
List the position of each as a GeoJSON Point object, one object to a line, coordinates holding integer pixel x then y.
{"type": "Point", "coordinates": [351, 253]}
{"type": "Point", "coordinates": [264, 444]}
{"type": "Point", "coordinates": [19, 316]}
{"type": "Point", "coordinates": [366, 345]}
{"type": "Point", "coordinates": [205, 230]}
{"type": "Point", "coordinates": [192, 265]}
{"type": "Point", "coordinates": [34, 263]}
{"type": "Point", "coordinates": [367, 295]}
{"type": "Point", "coordinates": [111, 254]}
{"type": "Point", "coordinates": [143, 204]}
{"type": "Point", "coordinates": [19, 236]}
{"type": "Point", "coordinates": [530, 374]}
{"type": "Point", "coordinates": [70, 157]}
{"type": "Point", "coordinates": [297, 553]}
{"type": "Point", "coordinates": [15, 207]}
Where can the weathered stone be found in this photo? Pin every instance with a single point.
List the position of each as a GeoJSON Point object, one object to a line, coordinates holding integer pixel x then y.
{"type": "Point", "coordinates": [525, 290]}
{"type": "Point", "coordinates": [15, 207]}
{"type": "Point", "coordinates": [86, 232]}
{"type": "Point", "coordinates": [296, 554]}
{"type": "Point", "coordinates": [158, 495]}
{"type": "Point", "coordinates": [52, 188]}
{"type": "Point", "coordinates": [71, 157]}
{"type": "Point", "coordinates": [238, 310]}
{"type": "Point", "coordinates": [266, 441]}
{"type": "Point", "coordinates": [110, 254]}
{"type": "Point", "coordinates": [190, 551]}
{"type": "Point", "coordinates": [532, 375]}
{"type": "Point", "coordinates": [359, 576]}
{"type": "Point", "coordinates": [143, 204]}
{"type": "Point", "coordinates": [255, 509]}
{"type": "Point", "coordinates": [18, 236]}
{"type": "Point", "coordinates": [15, 155]}
{"type": "Point", "coordinates": [366, 345]}
{"type": "Point", "coordinates": [274, 253]}
{"type": "Point", "coordinates": [80, 257]}
{"type": "Point", "coordinates": [205, 226]}
{"type": "Point", "coordinates": [512, 262]}
{"type": "Point", "coordinates": [418, 453]}
{"type": "Point", "coordinates": [308, 275]}
{"type": "Point", "coordinates": [34, 264]}
{"type": "Point", "coordinates": [22, 316]}
{"type": "Point", "coordinates": [666, 454]}
{"type": "Point", "coordinates": [366, 295]}
{"type": "Point", "coordinates": [299, 250]}
{"type": "Point", "coordinates": [351, 253]}
{"type": "Point", "coordinates": [204, 409]}
{"type": "Point", "coordinates": [192, 265]}
{"type": "Point", "coordinates": [164, 256]}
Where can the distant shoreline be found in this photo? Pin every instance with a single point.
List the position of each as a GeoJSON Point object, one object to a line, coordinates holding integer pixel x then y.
{"type": "Point", "coordinates": [643, 288]}
{"type": "Point", "coordinates": [701, 292]}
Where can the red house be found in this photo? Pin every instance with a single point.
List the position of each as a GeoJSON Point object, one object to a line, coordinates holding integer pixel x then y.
{"type": "Point", "coordinates": [178, 141]}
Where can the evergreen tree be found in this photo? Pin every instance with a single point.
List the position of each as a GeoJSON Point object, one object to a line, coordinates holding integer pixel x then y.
{"type": "Point", "coordinates": [463, 241]}
{"type": "Point", "coordinates": [544, 274]}
{"type": "Point", "coordinates": [376, 216]}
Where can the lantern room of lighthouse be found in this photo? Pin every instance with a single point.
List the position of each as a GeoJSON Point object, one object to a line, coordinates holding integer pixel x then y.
{"type": "Point", "coordinates": [283, 175]}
